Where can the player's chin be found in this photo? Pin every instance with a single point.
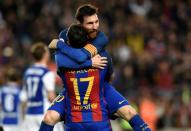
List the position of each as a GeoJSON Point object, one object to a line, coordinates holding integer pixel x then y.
{"type": "Point", "coordinates": [92, 35]}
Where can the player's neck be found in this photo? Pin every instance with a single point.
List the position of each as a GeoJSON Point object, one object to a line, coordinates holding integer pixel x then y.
{"type": "Point", "coordinates": [12, 83]}
{"type": "Point", "coordinates": [41, 63]}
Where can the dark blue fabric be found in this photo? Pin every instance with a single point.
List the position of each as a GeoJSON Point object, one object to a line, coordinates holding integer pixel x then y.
{"type": "Point", "coordinates": [80, 55]}
{"type": "Point", "coordinates": [138, 124]}
{"type": "Point", "coordinates": [64, 61]}
{"type": "Point", "coordinates": [46, 127]}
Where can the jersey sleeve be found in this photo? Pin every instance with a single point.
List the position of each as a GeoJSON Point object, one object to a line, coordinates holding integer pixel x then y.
{"type": "Point", "coordinates": [80, 55]}
{"type": "Point", "coordinates": [64, 61]}
{"type": "Point", "coordinates": [63, 35]}
{"type": "Point", "coordinates": [49, 81]}
{"type": "Point", "coordinates": [76, 54]}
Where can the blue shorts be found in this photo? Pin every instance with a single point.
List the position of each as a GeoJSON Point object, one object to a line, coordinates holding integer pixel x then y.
{"type": "Point", "coordinates": [112, 97]}
{"type": "Point", "coordinates": [88, 126]}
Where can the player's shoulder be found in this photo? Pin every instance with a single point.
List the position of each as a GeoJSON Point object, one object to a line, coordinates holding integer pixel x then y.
{"type": "Point", "coordinates": [101, 34]}
{"type": "Point", "coordinates": [63, 34]}
{"type": "Point", "coordinates": [104, 53]}
{"type": "Point", "coordinates": [36, 70]}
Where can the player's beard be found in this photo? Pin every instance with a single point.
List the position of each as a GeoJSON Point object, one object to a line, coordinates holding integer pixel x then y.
{"type": "Point", "coordinates": [92, 34]}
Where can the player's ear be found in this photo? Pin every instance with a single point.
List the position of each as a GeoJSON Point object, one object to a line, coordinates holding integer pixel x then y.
{"type": "Point", "coordinates": [68, 42]}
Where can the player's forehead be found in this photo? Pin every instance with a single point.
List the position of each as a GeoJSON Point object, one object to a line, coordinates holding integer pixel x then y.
{"type": "Point", "coordinates": [92, 19]}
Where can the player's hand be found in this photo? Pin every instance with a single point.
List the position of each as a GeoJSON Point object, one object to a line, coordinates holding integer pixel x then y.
{"type": "Point", "coordinates": [53, 44]}
{"type": "Point", "coordinates": [99, 62]}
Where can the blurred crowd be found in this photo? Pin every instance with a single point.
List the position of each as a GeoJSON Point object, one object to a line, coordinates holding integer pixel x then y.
{"type": "Point", "coordinates": [149, 41]}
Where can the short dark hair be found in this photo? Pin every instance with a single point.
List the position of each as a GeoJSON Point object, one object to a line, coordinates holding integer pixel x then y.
{"type": "Point", "coordinates": [38, 50]}
{"type": "Point", "coordinates": [77, 36]}
{"type": "Point", "coordinates": [85, 10]}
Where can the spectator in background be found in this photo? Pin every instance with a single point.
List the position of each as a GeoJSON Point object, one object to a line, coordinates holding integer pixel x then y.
{"type": "Point", "coordinates": [140, 7]}
{"type": "Point", "coordinates": [164, 78]}
{"type": "Point", "coordinates": [125, 80]}
{"type": "Point", "coordinates": [148, 103]}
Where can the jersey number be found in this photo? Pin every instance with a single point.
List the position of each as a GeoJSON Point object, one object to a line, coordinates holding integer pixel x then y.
{"type": "Point", "coordinates": [9, 102]}
{"type": "Point", "coordinates": [32, 84]}
{"type": "Point", "coordinates": [76, 90]}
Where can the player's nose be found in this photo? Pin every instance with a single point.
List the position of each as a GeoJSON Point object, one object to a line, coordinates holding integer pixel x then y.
{"type": "Point", "coordinates": [94, 26]}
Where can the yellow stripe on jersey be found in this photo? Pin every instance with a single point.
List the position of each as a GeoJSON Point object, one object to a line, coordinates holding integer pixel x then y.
{"type": "Point", "coordinates": [91, 49]}
{"type": "Point", "coordinates": [76, 91]}
{"type": "Point", "coordinates": [90, 85]}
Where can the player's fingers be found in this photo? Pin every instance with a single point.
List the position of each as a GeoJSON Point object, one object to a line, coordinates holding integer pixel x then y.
{"type": "Point", "coordinates": [103, 58]}
{"type": "Point", "coordinates": [97, 66]}
{"type": "Point", "coordinates": [102, 64]}
{"type": "Point", "coordinates": [100, 67]}
{"type": "Point", "coordinates": [104, 61]}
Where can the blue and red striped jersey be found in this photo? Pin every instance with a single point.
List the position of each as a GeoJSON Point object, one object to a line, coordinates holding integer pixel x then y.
{"type": "Point", "coordinates": [84, 94]}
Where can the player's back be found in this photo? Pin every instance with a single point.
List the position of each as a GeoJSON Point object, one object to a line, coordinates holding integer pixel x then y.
{"type": "Point", "coordinates": [84, 98]}
{"type": "Point", "coordinates": [34, 88]}
{"type": "Point", "coordinates": [10, 102]}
